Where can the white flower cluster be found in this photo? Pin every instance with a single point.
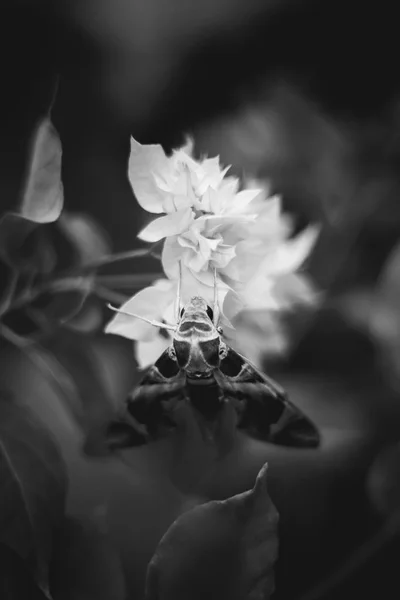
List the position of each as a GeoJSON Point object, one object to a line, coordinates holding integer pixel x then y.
{"type": "Point", "coordinates": [210, 226]}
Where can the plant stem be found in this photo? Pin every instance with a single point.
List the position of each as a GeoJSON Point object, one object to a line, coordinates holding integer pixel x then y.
{"type": "Point", "coordinates": [110, 259]}
{"type": "Point", "coordinates": [104, 293]}
{"type": "Point", "coordinates": [127, 281]}
{"type": "Point", "coordinates": [75, 276]}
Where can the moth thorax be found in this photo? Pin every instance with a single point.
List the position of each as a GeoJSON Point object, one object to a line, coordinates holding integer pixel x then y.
{"type": "Point", "coordinates": [198, 358]}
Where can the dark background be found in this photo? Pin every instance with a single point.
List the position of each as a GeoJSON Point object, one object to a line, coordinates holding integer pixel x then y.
{"type": "Point", "coordinates": [305, 94]}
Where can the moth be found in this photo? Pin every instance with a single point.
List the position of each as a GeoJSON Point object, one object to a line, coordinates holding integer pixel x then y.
{"type": "Point", "coordinates": [199, 368]}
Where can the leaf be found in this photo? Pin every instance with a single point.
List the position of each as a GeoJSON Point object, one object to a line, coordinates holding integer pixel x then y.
{"type": "Point", "coordinates": [13, 233]}
{"type": "Point", "coordinates": [383, 317]}
{"type": "Point", "coordinates": [89, 319]}
{"type": "Point", "coordinates": [89, 370]}
{"type": "Point", "coordinates": [27, 246]}
{"type": "Point", "coordinates": [43, 199]}
{"type": "Point", "coordinates": [85, 564]}
{"type": "Point", "coordinates": [66, 298]}
{"type": "Point", "coordinates": [384, 481]}
{"type": "Point", "coordinates": [8, 279]}
{"type": "Point", "coordinates": [16, 582]}
{"type": "Point", "coordinates": [87, 237]}
{"type": "Point", "coordinates": [33, 487]}
{"type": "Point", "coordinates": [222, 550]}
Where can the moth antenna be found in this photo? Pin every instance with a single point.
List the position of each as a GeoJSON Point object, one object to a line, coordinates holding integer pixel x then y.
{"type": "Point", "coordinates": [178, 294]}
{"type": "Point", "coordinates": [151, 322]}
{"type": "Point", "coordinates": [216, 305]}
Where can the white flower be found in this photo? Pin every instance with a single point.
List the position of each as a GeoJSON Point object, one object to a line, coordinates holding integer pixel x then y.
{"type": "Point", "coordinates": [201, 205]}
{"type": "Point", "coordinates": [213, 232]}
{"type": "Point", "coordinates": [258, 335]}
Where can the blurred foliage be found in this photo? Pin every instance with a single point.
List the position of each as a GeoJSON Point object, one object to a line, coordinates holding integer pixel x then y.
{"type": "Point", "coordinates": [269, 88]}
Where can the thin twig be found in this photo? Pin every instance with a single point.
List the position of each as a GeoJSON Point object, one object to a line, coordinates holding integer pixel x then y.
{"type": "Point", "coordinates": [108, 295]}
{"type": "Point", "coordinates": [127, 281]}
{"type": "Point", "coordinates": [111, 259]}
{"type": "Point", "coordinates": [76, 280]}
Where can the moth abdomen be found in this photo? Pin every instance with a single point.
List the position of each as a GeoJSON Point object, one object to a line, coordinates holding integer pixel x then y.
{"type": "Point", "coordinates": [205, 396]}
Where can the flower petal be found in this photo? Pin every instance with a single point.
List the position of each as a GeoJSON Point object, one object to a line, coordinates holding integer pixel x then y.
{"type": "Point", "coordinates": [170, 224]}
{"type": "Point", "coordinates": [172, 253]}
{"type": "Point", "coordinates": [257, 293]}
{"type": "Point", "coordinates": [143, 162]}
{"type": "Point", "coordinates": [151, 303]}
{"type": "Point", "coordinates": [241, 201]}
{"type": "Point", "coordinates": [289, 256]}
{"type": "Point", "coordinates": [146, 353]}
{"type": "Point", "coordinates": [222, 256]}
{"type": "Point", "coordinates": [294, 289]}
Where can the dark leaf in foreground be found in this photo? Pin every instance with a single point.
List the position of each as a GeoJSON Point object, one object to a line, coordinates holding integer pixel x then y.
{"type": "Point", "coordinates": [222, 550]}
{"type": "Point", "coordinates": [33, 487]}
{"type": "Point", "coordinates": [16, 582]}
{"type": "Point", "coordinates": [384, 481]}
{"type": "Point", "coordinates": [85, 565]}
{"type": "Point", "coordinates": [89, 370]}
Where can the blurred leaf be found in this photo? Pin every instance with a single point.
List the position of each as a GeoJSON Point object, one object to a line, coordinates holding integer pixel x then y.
{"type": "Point", "coordinates": [222, 550]}
{"type": "Point", "coordinates": [86, 235]}
{"type": "Point", "coordinates": [37, 251]}
{"type": "Point", "coordinates": [384, 316]}
{"type": "Point", "coordinates": [8, 279]}
{"type": "Point", "coordinates": [89, 319]}
{"type": "Point", "coordinates": [384, 481]}
{"type": "Point", "coordinates": [58, 377]}
{"type": "Point", "coordinates": [85, 565]}
{"type": "Point", "coordinates": [24, 324]}
{"type": "Point", "coordinates": [33, 487]}
{"type": "Point", "coordinates": [43, 198]}
{"type": "Point", "coordinates": [16, 583]}
{"type": "Point", "coordinates": [13, 233]}
{"type": "Point", "coordinates": [64, 300]}
{"type": "Point", "coordinates": [85, 368]}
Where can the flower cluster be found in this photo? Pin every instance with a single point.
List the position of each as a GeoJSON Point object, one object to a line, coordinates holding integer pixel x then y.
{"type": "Point", "coordinates": [212, 228]}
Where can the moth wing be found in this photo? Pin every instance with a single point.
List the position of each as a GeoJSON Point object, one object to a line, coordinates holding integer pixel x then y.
{"type": "Point", "coordinates": [266, 409]}
{"type": "Point", "coordinates": [160, 387]}
{"type": "Point", "coordinates": [144, 416]}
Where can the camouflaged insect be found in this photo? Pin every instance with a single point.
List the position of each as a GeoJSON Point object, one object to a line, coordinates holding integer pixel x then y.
{"type": "Point", "coordinates": [199, 368]}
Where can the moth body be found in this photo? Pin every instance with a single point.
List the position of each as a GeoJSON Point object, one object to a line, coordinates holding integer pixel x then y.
{"type": "Point", "coordinates": [201, 369]}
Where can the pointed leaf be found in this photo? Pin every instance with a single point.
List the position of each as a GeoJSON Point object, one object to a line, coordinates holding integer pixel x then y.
{"type": "Point", "coordinates": [43, 199]}
{"type": "Point", "coordinates": [222, 550]}
{"type": "Point", "coordinates": [33, 487]}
